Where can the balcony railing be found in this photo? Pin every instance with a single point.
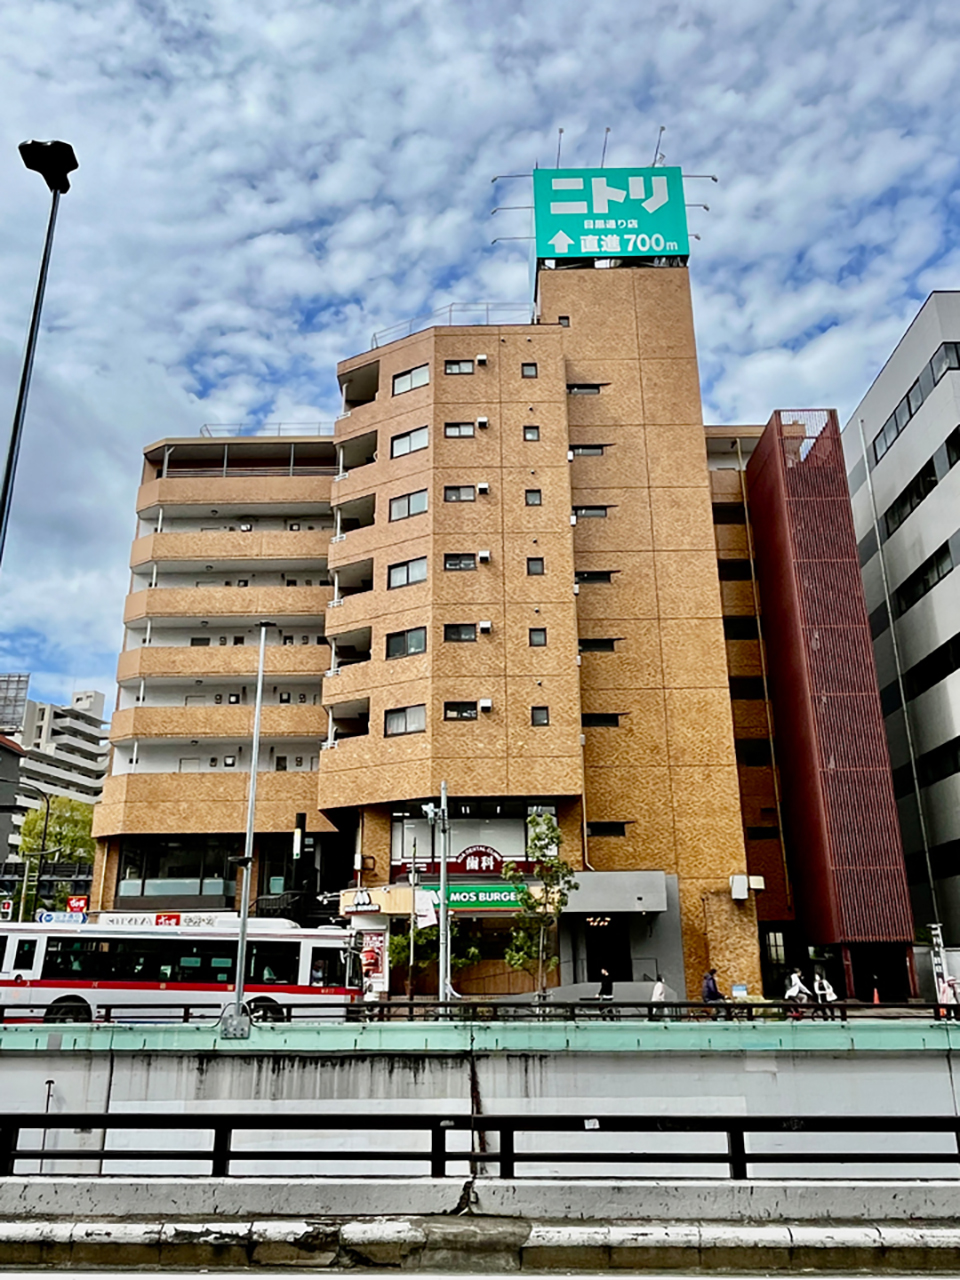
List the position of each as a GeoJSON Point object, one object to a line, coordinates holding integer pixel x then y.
{"type": "Point", "coordinates": [465, 313]}
{"type": "Point", "coordinates": [214, 430]}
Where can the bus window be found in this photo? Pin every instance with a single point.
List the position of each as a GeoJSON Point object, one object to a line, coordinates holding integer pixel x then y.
{"type": "Point", "coordinates": [78, 959]}
{"type": "Point", "coordinates": [26, 952]}
{"type": "Point", "coordinates": [270, 963]}
{"type": "Point", "coordinates": [330, 964]}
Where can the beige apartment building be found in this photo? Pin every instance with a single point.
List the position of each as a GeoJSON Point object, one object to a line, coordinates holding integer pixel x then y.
{"type": "Point", "coordinates": [499, 571]}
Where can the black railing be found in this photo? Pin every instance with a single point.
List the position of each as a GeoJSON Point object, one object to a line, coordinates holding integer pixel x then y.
{"type": "Point", "coordinates": [268, 1008]}
{"type": "Point", "coordinates": [732, 1154]}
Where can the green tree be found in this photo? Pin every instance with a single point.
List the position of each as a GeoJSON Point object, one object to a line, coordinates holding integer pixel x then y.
{"type": "Point", "coordinates": [68, 830]}
{"type": "Point", "coordinates": [539, 910]}
{"type": "Point", "coordinates": [426, 947]}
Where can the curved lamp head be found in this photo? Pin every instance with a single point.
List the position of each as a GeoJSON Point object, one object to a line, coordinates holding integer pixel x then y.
{"type": "Point", "coordinates": [52, 160]}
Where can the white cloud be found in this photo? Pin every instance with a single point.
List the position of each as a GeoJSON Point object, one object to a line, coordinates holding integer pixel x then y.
{"type": "Point", "coordinates": [265, 184]}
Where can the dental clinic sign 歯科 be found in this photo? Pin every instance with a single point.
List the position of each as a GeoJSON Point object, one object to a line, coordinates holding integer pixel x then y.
{"type": "Point", "coordinates": [610, 213]}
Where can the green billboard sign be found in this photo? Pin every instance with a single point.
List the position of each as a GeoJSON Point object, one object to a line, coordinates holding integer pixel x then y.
{"type": "Point", "coordinates": [610, 213]}
{"type": "Point", "coordinates": [481, 897]}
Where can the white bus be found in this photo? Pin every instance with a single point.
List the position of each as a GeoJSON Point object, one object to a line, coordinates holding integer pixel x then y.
{"type": "Point", "coordinates": [83, 972]}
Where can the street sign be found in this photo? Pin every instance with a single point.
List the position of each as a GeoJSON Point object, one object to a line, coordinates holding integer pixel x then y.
{"type": "Point", "coordinates": [610, 213]}
{"type": "Point", "coordinates": [61, 917]}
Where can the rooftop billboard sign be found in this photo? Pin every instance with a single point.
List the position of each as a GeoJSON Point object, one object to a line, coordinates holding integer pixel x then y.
{"type": "Point", "coordinates": [610, 213]}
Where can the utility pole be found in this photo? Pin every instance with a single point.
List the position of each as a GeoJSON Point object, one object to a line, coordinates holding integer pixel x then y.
{"type": "Point", "coordinates": [444, 912]}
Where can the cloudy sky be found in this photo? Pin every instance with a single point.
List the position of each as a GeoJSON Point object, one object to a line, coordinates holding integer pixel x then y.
{"type": "Point", "coordinates": [264, 183]}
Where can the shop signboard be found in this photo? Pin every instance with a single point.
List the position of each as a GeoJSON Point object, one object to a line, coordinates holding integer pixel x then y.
{"type": "Point", "coordinates": [610, 213]}
{"type": "Point", "coordinates": [482, 897]}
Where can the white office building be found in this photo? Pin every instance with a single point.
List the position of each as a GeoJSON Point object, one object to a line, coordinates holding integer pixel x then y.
{"type": "Point", "coordinates": [66, 752]}
{"type": "Point", "coordinates": [901, 448]}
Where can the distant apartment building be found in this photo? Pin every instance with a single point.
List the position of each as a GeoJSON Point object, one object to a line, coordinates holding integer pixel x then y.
{"type": "Point", "coordinates": [65, 752]}
{"type": "Point", "coordinates": [519, 564]}
{"type": "Point", "coordinates": [902, 445]}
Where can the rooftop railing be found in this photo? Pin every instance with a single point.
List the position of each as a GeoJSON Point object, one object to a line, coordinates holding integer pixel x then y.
{"type": "Point", "coordinates": [466, 313]}
{"type": "Point", "coordinates": [217, 430]}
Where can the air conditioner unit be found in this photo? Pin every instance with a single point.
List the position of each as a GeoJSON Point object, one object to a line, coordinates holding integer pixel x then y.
{"type": "Point", "coordinates": [573, 519]}
{"type": "Point", "coordinates": [486, 704]}
{"type": "Point", "coordinates": [569, 455]}
{"type": "Point", "coordinates": [757, 883]}
{"type": "Point", "coordinates": [485, 628]}
{"type": "Point", "coordinates": [481, 359]}
{"type": "Point", "coordinates": [739, 888]}
{"type": "Point", "coordinates": [483, 557]}
{"type": "Point", "coordinates": [483, 487]}
{"type": "Point", "coordinates": [483, 423]}
{"type": "Point", "coordinates": [576, 588]}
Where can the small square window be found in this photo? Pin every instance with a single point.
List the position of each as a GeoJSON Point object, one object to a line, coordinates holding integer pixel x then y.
{"type": "Point", "coordinates": [456, 560]}
{"type": "Point", "coordinates": [243, 582]}
{"type": "Point", "coordinates": [539, 715]}
{"type": "Point", "coordinates": [281, 764]}
{"type": "Point", "coordinates": [238, 639]}
{"type": "Point", "coordinates": [459, 493]}
{"type": "Point", "coordinates": [531, 433]}
{"type": "Point", "coordinates": [285, 697]}
{"type": "Point", "coordinates": [459, 711]}
{"type": "Point", "coordinates": [534, 566]}
{"type": "Point", "coordinates": [563, 321]}
{"type": "Point", "coordinates": [199, 642]}
{"type": "Point", "coordinates": [229, 762]}
{"type": "Point", "coordinates": [233, 699]}
{"type": "Point", "coordinates": [533, 497]}
{"type": "Point", "coordinates": [538, 637]}
{"type": "Point", "coordinates": [614, 829]}
{"type": "Point", "coordinates": [459, 632]}
{"type": "Point", "coordinates": [458, 366]}
{"type": "Point", "coordinates": [458, 430]}
{"type": "Point", "coordinates": [291, 582]}
{"type": "Point", "coordinates": [528, 370]}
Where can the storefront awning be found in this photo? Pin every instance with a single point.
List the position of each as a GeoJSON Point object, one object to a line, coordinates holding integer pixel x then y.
{"type": "Point", "coordinates": [611, 891]}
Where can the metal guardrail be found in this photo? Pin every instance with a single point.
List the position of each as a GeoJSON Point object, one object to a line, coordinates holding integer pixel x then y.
{"type": "Point", "coordinates": [267, 1008]}
{"type": "Point", "coordinates": [735, 1159]}
{"type": "Point", "coordinates": [216, 430]}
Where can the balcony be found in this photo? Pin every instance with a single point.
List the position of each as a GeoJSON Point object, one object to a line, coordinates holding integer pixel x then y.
{"type": "Point", "coordinates": [301, 494]}
{"type": "Point", "coordinates": [279, 604]}
{"type": "Point", "coordinates": [172, 661]}
{"type": "Point", "coordinates": [229, 550]}
{"type": "Point", "coordinates": [230, 723]}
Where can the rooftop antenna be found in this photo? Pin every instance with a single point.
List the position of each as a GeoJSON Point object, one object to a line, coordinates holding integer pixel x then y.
{"type": "Point", "coordinates": [603, 153]}
{"type": "Point", "coordinates": [559, 145]}
{"type": "Point", "coordinates": [656, 150]}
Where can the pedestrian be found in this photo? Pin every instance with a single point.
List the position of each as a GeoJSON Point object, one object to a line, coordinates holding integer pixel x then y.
{"type": "Point", "coordinates": [947, 997]}
{"type": "Point", "coordinates": [657, 996]}
{"type": "Point", "coordinates": [825, 995]}
{"type": "Point", "coordinates": [797, 993]}
{"type": "Point", "coordinates": [606, 986]}
{"type": "Point", "coordinates": [710, 992]}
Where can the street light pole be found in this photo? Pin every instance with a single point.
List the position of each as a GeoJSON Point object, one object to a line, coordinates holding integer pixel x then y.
{"type": "Point", "coordinates": [246, 862]}
{"type": "Point", "coordinates": [53, 160]}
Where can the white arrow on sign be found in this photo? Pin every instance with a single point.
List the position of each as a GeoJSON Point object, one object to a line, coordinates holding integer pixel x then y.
{"type": "Point", "coordinates": [561, 242]}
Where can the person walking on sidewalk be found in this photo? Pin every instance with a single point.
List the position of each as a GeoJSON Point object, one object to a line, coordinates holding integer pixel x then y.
{"type": "Point", "coordinates": [797, 993]}
{"type": "Point", "coordinates": [825, 995]}
{"type": "Point", "coordinates": [711, 993]}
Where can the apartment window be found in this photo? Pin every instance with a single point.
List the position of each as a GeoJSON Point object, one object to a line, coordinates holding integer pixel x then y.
{"type": "Point", "coordinates": [618, 829]}
{"type": "Point", "coordinates": [591, 513]}
{"type": "Point", "coordinates": [410, 379]}
{"type": "Point", "coordinates": [533, 497]}
{"type": "Point", "coordinates": [594, 575]}
{"type": "Point", "coordinates": [923, 580]}
{"type": "Point", "coordinates": [458, 430]}
{"type": "Point", "coordinates": [280, 764]}
{"type": "Point", "coordinates": [583, 388]}
{"type": "Point", "coordinates": [535, 566]}
{"type": "Point", "coordinates": [409, 442]}
{"type": "Point", "coordinates": [238, 639]}
{"type": "Point", "coordinates": [528, 370]}
{"type": "Point", "coordinates": [409, 504]}
{"type": "Point", "coordinates": [538, 637]}
{"type": "Point", "coordinates": [600, 719]}
{"type": "Point", "coordinates": [459, 632]}
{"type": "Point", "coordinates": [403, 644]}
{"type": "Point", "coordinates": [747, 688]}
{"type": "Point", "coordinates": [243, 582]}
{"type": "Point", "coordinates": [753, 752]}
{"type": "Point", "coordinates": [285, 697]}
{"type": "Point", "coordinates": [741, 628]}
{"type": "Point", "coordinates": [589, 644]}
{"type": "Point", "coordinates": [405, 720]}
{"type": "Point", "coordinates": [199, 642]}
{"type": "Point", "coordinates": [229, 762]}
{"type": "Point", "coordinates": [539, 715]}
{"type": "Point", "coordinates": [459, 560]}
{"type": "Point", "coordinates": [734, 570]}
{"type": "Point", "coordinates": [531, 433]}
{"type": "Point", "coordinates": [459, 493]}
{"type": "Point", "coordinates": [776, 950]}
{"type": "Point", "coordinates": [729, 513]}
{"type": "Point", "coordinates": [291, 582]}
{"type": "Point", "coordinates": [407, 572]}
{"type": "Point", "coordinates": [458, 366]}
{"type": "Point", "coordinates": [588, 450]}
{"type": "Point", "coordinates": [459, 711]}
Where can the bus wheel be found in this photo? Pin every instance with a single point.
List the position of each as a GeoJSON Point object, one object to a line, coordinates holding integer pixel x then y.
{"type": "Point", "coordinates": [68, 1009]}
{"type": "Point", "coordinates": [263, 1009]}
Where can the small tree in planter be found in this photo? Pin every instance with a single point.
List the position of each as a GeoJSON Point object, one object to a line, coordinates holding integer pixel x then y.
{"type": "Point", "coordinates": [538, 913]}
